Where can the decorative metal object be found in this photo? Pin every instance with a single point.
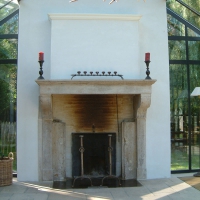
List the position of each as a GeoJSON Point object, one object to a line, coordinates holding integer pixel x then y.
{"type": "Point", "coordinates": [96, 74]}
{"type": "Point", "coordinates": [41, 70]}
{"type": "Point", "coordinates": [71, 1]}
{"type": "Point", "coordinates": [81, 149]}
{"type": "Point", "coordinates": [110, 149]}
{"type": "Point", "coordinates": [147, 72]}
{"type": "Point", "coordinates": [112, 1]}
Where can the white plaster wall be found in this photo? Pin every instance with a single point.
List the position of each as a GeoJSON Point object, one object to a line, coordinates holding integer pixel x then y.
{"type": "Point", "coordinates": [35, 36]}
{"type": "Point", "coordinates": [154, 38]}
{"type": "Point", "coordinates": [94, 45]}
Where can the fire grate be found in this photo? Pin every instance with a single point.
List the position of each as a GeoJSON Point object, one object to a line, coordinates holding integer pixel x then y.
{"type": "Point", "coordinates": [96, 158]}
{"type": "Point", "coordinates": [82, 176]}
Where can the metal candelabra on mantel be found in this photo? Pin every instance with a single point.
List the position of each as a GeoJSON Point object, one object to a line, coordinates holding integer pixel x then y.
{"type": "Point", "coordinates": [97, 74]}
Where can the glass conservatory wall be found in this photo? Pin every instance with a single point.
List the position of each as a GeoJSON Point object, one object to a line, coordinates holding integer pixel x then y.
{"type": "Point", "coordinates": [8, 78]}
{"type": "Point", "coordinates": [184, 48]}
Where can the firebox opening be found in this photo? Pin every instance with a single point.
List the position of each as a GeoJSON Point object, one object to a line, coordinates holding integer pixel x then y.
{"type": "Point", "coordinates": [95, 156]}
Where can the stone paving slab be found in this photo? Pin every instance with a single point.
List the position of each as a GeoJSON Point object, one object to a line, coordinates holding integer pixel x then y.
{"type": "Point", "coordinates": [13, 189]}
{"type": "Point", "coordinates": [27, 196]}
{"type": "Point", "coordinates": [5, 196]}
{"type": "Point", "coordinates": [67, 196]}
{"type": "Point", "coordinates": [162, 189]}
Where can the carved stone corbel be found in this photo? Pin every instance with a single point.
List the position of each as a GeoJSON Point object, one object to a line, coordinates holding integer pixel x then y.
{"type": "Point", "coordinates": [45, 107]}
{"type": "Point", "coordinates": [144, 104]}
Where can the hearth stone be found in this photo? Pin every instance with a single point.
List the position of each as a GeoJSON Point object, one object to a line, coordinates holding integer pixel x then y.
{"type": "Point", "coordinates": [108, 183]}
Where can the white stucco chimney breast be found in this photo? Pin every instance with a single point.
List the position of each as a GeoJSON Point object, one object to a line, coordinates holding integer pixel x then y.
{"type": "Point", "coordinates": [92, 36]}
{"type": "Point", "coordinates": [93, 42]}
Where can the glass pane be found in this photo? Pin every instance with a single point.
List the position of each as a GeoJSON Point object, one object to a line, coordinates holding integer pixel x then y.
{"type": "Point", "coordinates": [8, 98]}
{"type": "Point", "coordinates": [184, 12]}
{"type": "Point", "coordinates": [193, 4]}
{"type": "Point", "coordinates": [8, 9]}
{"type": "Point", "coordinates": [8, 48]}
{"type": "Point", "coordinates": [191, 33]}
{"type": "Point", "coordinates": [195, 115]}
{"type": "Point", "coordinates": [194, 49]}
{"type": "Point", "coordinates": [10, 27]}
{"type": "Point", "coordinates": [177, 50]}
{"type": "Point", "coordinates": [179, 117]}
{"type": "Point", "coordinates": [175, 27]}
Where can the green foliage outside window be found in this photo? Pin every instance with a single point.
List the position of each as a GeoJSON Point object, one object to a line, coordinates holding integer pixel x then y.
{"type": "Point", "coordinates": [10, 27]}
{"type": "Point", "coordinates": [8, 48]}
{"type": "Point", "coordinates": [195, 4]}
{"type": "Point", "coordinates": [184, 12]}
{"type": "Point", "coordinates": [4, 95]}
{"type": "Point", "coordinates": [8, 78]}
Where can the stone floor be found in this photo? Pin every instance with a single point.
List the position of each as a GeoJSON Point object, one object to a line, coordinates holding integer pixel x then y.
{"type": "Point", "coordinates": [172, 188]}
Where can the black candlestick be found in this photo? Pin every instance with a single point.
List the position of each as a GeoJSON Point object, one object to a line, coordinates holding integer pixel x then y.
{"type": "Point", "coordinates": [41, 71]}
{"type": "Point", "coordinates": [147, 72]}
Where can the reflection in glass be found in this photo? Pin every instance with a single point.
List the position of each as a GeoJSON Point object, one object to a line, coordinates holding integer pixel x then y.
{"type": "Point", "coordinates": [194, 49]}
{"type": "Point", "coordinates": [8, 98]}
{"type": "Point", "coordinates": [8, 9]}
{"type": "Point", "coordinates": [10, 27]}
{"type": "Point", "coordinates": [8, 48]}
{"type": "Point", "coordinates": [175, 27]}
{"type": "Point", "coordinates": [177, 50]}
{"type": "Point", "coordinates": [179, 117]}
{"type": "Point", "coordinates": [195, 117]}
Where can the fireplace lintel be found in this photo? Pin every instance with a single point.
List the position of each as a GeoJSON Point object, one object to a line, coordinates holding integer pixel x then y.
{"type": "Point", "coordinates": [95, 86]}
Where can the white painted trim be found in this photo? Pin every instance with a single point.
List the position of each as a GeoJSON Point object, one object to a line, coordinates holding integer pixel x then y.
{"type": "Point", "coordinates": [55, 16]}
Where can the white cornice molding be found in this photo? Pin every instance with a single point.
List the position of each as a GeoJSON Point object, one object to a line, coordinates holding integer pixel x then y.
{"type": "Point", "coordinates": [54, 16]}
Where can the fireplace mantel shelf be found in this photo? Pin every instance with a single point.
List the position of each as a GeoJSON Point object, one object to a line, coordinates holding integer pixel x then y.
{"type": "Point", "coordinates": [137, 86]}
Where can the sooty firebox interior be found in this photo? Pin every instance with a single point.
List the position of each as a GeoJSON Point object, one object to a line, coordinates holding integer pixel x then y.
{"type": "Point", "coordinates": [96, 162]}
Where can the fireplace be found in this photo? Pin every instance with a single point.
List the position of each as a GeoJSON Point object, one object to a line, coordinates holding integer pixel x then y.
{"type": "Point", "coordinates": [96, 154]}
{"type": "Point", "coordinates": [93, 109]}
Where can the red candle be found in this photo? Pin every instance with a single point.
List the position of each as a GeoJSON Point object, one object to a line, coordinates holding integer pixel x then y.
{"type": "Point", "coordinates": [147, 56]}
{"type": "Point", "coordinates": [41, 56]}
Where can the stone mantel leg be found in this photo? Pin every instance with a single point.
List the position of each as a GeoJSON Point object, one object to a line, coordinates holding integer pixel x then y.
{"type": "Point", "coordinates": [142, 103]}
{"type": "Point", "coordinates": [45, 138]}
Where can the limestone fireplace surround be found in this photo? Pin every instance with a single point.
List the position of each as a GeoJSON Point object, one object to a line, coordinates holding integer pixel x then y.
{"type": "Point", "coordinates": [54, 134]}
